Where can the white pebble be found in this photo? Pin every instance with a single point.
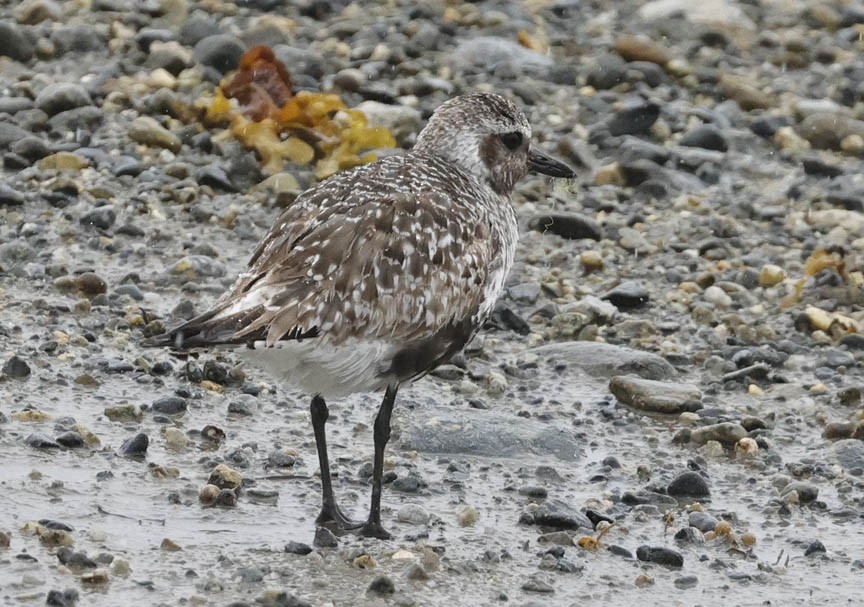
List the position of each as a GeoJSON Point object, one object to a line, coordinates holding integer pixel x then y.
{"type": "Point", "coordinates": [718, 297]}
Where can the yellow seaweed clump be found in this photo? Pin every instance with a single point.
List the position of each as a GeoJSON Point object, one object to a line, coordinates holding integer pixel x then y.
{"type": "Point", "coordinates": [258, 106]}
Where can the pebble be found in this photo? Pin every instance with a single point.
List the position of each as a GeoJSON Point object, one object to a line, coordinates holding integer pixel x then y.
{"type": "Point", "coordinates": [570, 226]}
{"type": "Point", "coordinates": [558, 514]}
{"type": "Point", "coordinates": [689, 484]}
{"type": "Point", "coordinates": [225, 478]}
{"type": "Point", "coordinates": [635, 117]}
{"type": "Point", "coordinates": [124, 413]}
{"type": "Point", "coordinates": [771, 275]}
{"type": "Point", "coordinates": [90, 284]}
{"type": "Point", "coordinates": [717, 296]}
{"type": "Point", "coordinates": [324, 538]}
{"type": "Point", "coordinates": [402, 121]}
{"type": "Point", "coordinates": [606, 360]}
{"type": "Point", "coordinates": [806, 492]}
{"type": "Point", "coordinates": [827, 130]}
{"type": "Point", "coordinates": [641, 48]}
{"type": "Point", "coordinates": [655, 396]}
{"type": "Point", "coordinates": [726, 433]}
{"type": "Point", "coordinates": [71, 440]}
{"type": "Point", "coordinates": [38, 440]}
{"type": "Point", "coordinates": [14, 43]}
{"type": "Point", "coordinates": [135, 446]}
{"type": "Point", "coordinates": [195, 267]}
{"type": "Point", "coordinates": [170, 405]}
{"type": "Point", "coordinates": [815, 547]}
{"type": "Point", "coordinates": [61, 96]}
{"type": "Point", "coordinates": [499, 55]}
{"type": "Point", "coordinates": [102, 217]}
{"type": "Point", "coordinates": [146, 131]}
{"type": "Point", "coordinates": [64, 598]}
{"type": "Point", "coordinates": [690, 535]}
{"type": "Point", "coordinates": [467, 516]}
{"type": "Point", "coordinates": [298, 548]}
{"type": "Point", "coordinates": [660, 555]}
{"type": "Point", "coordinates": [539, 585]}
{"type": "Point", "coordinates": [417, 573]}
{"type": "Point", "coordinates": [220, 51]}
{"type": "Point", "coordinates": [16, 367]}
{"type": "Point", "coordinates": [744, 92]}
{"type": "Point", "coordinates": [382, 585]}
{"type": "Point", "coordinates": [706, 136]}
{"type": "Point", "coordinates": [412, 514]}
{"type": "Point", "coordinates": [628, 295]}
{"type": "Point", "coordinates": [686, 581]}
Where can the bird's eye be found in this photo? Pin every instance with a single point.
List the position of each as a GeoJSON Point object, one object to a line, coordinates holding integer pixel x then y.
{"type": "Point", "coordinates": [511, 140]}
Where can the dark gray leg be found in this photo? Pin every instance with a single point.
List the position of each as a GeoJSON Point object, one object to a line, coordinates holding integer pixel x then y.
{"type": "Point", "coordinates": [330, 515]}
{"type": "Point", "coordinates": [373, 527]}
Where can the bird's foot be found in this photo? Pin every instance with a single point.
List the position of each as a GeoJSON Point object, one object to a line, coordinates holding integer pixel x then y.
{"type": "Point", "coordinates": [331, 516]}
{"type": "Point", "coordinates": [374, 529]}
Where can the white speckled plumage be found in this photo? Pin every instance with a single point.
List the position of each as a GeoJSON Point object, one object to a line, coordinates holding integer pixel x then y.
{"type": "Point", "coordinates": [383, 258]}
{"type": "Point", "coordinates": [381, 273]}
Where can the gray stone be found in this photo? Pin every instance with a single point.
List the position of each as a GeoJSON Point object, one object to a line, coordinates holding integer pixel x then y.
{"type": "Point", "coordinates": [198, 266]}
{"type": "Point", "coordinates": [486, 433]}
{"type": "Point", "coordinates": [660, 555]}
{"type": "Point", "coordinates": [706, 136]}
{"type": "Point", "coordinates": [702, 521]}
{"type": "Point", "coordinates": [300, 60]}
{"type": "Point", "coordinates": [10, 133]}
{"type": "Point", "coordinates": [61, 96]}
{"type": "Point", "coordinates": [101, 218]}
{"type": "Point", "coordinates": [628, 295]}
{"type": "Point", "coordinates": [412, 514]}
{"type": "Point", "coordinates": [77, 39]}
{"type": "Point", "coordinates": [170, 405]}
{"type": "Point", "coordinates": [726, 433]}
{"type": "Point", "coordinates": [807, 492]}
{"type": "Point", "coordinates": [655, 396]}
{"type": "Point", "coordinates": [635, 117]}
{"type": "Point", "coordinates": [220, 51]}
{"type": "Point", "coordinates": [571, 226]}
{"type": "Point", "coordinates": [135, 446]}
{"type": "Point", "coordinates": [14, 43]}
{"type": "Point", "coordinates": [16, 368]}
{"type": "Point", "coordinates": [689, 484]}
{"type": "Point", "coordinates": [498, 55]}
{"type": "Point", "coordinates": [38, 440]}
{"type": "Point", "coordinates": [597, 311]}
{"type": "Point", "coordinates": [10, 197]}
{"type": "Point", "coordinates": [559, 514]}
{"type": "Point", "coordinates": [606, 360]}
{"type": "Point", "coordinates": [827, 130]}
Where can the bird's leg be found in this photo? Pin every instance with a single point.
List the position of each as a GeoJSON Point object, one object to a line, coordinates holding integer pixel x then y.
{"type": "Point", "coordinates": [373, 527]}
{"type": "Point", "coordinates": [330, 514]}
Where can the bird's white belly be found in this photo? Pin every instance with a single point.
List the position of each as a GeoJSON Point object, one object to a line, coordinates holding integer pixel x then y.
{"type": "Point", "coordinates": [320, 368]}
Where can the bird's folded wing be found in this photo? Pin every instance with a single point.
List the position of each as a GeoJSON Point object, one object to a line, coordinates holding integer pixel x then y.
{"type": "Point", "coordinates": [394, 266]}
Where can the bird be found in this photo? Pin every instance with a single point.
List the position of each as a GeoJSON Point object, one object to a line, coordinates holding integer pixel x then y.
{"type": "Point", "coordinates": [375, 276]}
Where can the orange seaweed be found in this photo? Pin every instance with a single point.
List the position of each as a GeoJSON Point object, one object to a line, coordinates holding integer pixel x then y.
{"type": "Point", "coordinates": [261, 84]}
{"type": "Point", "coordinates": [281, 126]}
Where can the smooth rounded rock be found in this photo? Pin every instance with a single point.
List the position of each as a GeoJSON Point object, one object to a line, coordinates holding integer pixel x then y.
{"type": "Point", "coordinates": [660, 555]}
{"type": "Point", "coordinates": [689, 484]}
{"type": "Point", "coordinates": [220, 51]}
{"type": "Point", "coordinates": [61, 96]}
{"type": "Point", "coordinates": [655, 396]}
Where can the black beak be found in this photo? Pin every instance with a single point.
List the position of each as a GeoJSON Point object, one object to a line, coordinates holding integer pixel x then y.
{"type": "Point", "coordinates": [541, 163]}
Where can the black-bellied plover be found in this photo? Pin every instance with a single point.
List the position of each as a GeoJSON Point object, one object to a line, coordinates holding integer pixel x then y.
{"type": "Point", "coordinates": [374, 277]}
